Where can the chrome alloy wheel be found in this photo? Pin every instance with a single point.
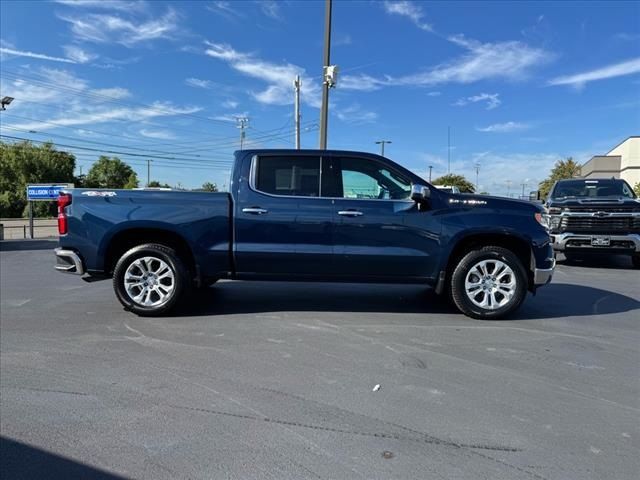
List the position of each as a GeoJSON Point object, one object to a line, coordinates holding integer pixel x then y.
{"type": "Point", "coordinates": [149, 281]}
{"type": "Point", "coordinates": [490, 284]}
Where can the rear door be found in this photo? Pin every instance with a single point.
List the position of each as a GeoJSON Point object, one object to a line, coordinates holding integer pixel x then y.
{"type": "Point", "coordinates": [379, 231]}
{"type": "Point", "coordinates": [282, 225]}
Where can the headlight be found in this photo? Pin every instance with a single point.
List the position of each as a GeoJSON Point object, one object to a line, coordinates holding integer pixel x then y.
{"type": "Point", "coordinates": [542, 219]}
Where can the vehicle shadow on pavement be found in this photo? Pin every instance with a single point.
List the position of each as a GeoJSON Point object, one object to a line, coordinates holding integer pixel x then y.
{"type": "Point", "coordinates": [13, 245]}
{"type": "Point", "coordinates": [20, 460]}
{"type": "Point", "coordinates": [228, 298]}
{"type": "Point", "coordinates": [614, 262]}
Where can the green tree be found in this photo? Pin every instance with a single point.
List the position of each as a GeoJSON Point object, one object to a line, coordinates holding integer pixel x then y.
{"type": "Point", "coordinates": [23, 163]}
{"type": "Point", "coordinates": [636, 188]}
{"type": "Point", "coordinates": [111, 173]}
{"type": "Point", "coordinates": [157, 184]}
{"type": "Point", "coordinates": [567, 168]}
{"type": "Point", "coordinates": [459, 181]}
{"type": "Point", "coordinates": [209, 187]}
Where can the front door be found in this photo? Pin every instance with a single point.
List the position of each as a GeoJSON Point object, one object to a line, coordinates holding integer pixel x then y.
{"type": "Point", "coordinates": [282, 226]}
{"type": "Point", "coordinates": [379, 231]}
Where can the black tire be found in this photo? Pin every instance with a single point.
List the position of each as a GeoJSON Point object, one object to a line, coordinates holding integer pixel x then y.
{"type": "Point", "coordinates": [570, 256]}
{"type": "Point", "coordinates": [635, 259]}
{"type": "Point", "coordinates": [161, 253]}
{"type": "Point", "coordinates": [466, 305]}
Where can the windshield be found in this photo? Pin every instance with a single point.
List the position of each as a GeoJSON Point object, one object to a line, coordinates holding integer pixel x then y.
{"type": "Point", "coordinates": [592, 189]}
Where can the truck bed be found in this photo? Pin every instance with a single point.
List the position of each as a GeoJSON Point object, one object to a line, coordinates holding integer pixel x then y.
{"type": "Point", "coordinates": [97, 217]}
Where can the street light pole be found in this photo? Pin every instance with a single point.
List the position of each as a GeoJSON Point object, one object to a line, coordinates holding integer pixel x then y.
{"type": "Point", "coordinates": [296, 112]}
{"type": "Point", "coordinates": [477, 176]}
{"type": "Point", "coordinates": [381, 143]}
{"type": "Point", "coordinates": [430, 168]}
{"type": "Point", "coordinates": [326, 62]}
{"type": "Point", "coordinates": [148, 172]}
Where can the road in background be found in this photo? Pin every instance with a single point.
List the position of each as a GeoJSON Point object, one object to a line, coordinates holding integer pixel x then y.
{"type": "Point", "coordinates": [276, 380]}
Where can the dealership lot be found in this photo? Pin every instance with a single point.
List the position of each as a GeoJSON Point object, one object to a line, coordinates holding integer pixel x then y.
{"type": "Point", "coordinates": [276, 380]}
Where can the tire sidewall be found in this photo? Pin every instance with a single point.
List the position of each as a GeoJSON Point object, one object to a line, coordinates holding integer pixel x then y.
{"type": "Point", "coordinates": [167, 255]}
{"type": "Point", "coordinates": [459, 294]}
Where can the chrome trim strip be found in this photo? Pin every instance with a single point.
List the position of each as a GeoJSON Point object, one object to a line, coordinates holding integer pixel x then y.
{"type": "Point", "coordinates": [595, 215]}
{"type": "Point", "coordinates": [542, 276]}
{"type": "Point", "coordinates": [77, 267]}
{"type": "Point", "coordinates": [350, 213]}
{"type": "Point", "coordinates": [561, 239]}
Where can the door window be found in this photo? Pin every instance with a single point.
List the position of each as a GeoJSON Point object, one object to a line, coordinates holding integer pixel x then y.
{"type": "Point", "coordinates": [292, 176]}
{"type": "Point", "coordinates": [368, 179]}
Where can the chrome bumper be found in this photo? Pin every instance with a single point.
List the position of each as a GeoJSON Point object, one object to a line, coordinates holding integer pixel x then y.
{"type": "Point", "coordinates": [68, 261]}
{"type": "Point", "coordinates": [542, 276]}
{"type": "Point", "coordinates": [561, 239]}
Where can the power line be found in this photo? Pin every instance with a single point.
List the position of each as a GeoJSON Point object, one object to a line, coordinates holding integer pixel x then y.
{"type": "Point", "coordinates": [110, 99]}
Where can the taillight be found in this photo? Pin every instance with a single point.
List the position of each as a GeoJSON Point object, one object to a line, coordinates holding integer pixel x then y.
{"type": "Point", "coordinates": [64, 200]}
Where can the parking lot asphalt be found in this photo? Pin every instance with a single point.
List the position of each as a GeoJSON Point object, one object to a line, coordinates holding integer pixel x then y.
{"type": "Point", "coordinates": [276, 380]}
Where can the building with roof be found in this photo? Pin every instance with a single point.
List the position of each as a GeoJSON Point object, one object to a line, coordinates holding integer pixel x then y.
{"type": "Point", "coordinates": [623, 161]}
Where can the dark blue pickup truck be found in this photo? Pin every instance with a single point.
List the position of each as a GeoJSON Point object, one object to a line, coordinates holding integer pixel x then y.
{"type": "Point", "coordinates": [314, 215]}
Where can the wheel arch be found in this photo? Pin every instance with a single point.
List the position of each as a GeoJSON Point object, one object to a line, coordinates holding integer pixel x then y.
{"type": "Point", "coordinates": [517, 244]}
{"type": "Point", "coordinates": [126, 239]}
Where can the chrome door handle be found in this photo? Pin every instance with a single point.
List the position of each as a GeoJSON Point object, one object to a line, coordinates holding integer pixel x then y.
{"type": "Point", "coordinates": [255, 210]}
{"type": "Point", "coordinates": [350, 213]}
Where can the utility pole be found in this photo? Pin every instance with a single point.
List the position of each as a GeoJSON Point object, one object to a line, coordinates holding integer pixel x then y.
{"type": "Point", "coordinates": [242, 124]}
{"type": "Point", "coordinates": [296, 112]}
{"type": "Point", "coordinates": [148, 172]}
{"type": "Point", "coordinates": [508, 188]}
{"type": "Point", "coordinates": [449, 149]}
{"type": "Point", "coordinates": [381, 143]}
{"type": "Point", "coordinates": [326, 61]}
{"type": "Point", "coordinates": [477, 165]}
{"type": "Point", "coordinates": [430, 168]}
{"type": "Point", "coordinates": [524, 185]}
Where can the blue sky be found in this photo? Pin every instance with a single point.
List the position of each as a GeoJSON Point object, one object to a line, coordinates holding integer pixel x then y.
{"type": "Point", "coordinates": [520, 84]}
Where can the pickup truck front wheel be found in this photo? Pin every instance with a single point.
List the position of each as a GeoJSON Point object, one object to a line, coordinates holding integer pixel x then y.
{"type": "Point", "coordinates": [489, 283]}
{"type": "Point", "coordinates": [149, 279]}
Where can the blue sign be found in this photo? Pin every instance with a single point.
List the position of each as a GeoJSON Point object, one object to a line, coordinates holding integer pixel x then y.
{"type": "Point", "coordinates": [46, 193]}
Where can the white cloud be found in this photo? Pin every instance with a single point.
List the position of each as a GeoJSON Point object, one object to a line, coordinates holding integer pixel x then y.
{"type": "Point", "coordinates": [231, 117]}
{"type": "Point", "coordinates": [362, 83]}
{"type": "Point", "coordinates": [198, 83]}
{"type": "Point", "coordinates": [79, 110]}
{"type": "Point", "coordinates": [271, 9]}
{"type": "Point", "coordinates": [104, 4]}
{"type": "Point", "coordinates": [113, 92]}
{"type": "Point", "coordinates": [504, 127]}
{"type": "Point", "coordinates": [158, 134]}
{"type": "Point", "coordinates": [339, 40]}
{"type": "Point", "coordinates": [78, 55]}
{"type": "Point", "coordinates": [279, 77]}
{"type": "Point", "coordinates": [108, 28]}
{"type": "Point", "coordinates": [610, 71]}
{"type": "Point", "coordinates": [511, 60]}
{"type": "Point", "coordinates": [434, 94]}
{"type": "Point", "coordinates": [230, 104]}
{"type": "Point", "coordinates": [482, 61]}
{"type": "Point", "coordinates": [354, 114]}
{"type": "Point", "coordinates": [225, 9]}
{"type": "Point", "coordinates": [40, 56]}
{"type": "Point", "coordinates": [491, 98]}
{"type": "Point", "coordinates": [96, 113]}
{"type": "Point", "coordinates": [409, 10]}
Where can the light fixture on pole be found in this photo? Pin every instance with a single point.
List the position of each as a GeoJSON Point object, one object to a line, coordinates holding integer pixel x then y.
{"type": "Point", "coordinates": [382, 143]}
{"type": "Point", "coordinates": [6, 101]}
{"type": "Point", "coordinates": [430, 168]}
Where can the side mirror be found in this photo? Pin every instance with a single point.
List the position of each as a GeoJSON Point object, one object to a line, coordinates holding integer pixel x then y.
{"type": "Point", "coordinates": [535, 195]}
{"type": "Point", "coordinates": [420, 193]}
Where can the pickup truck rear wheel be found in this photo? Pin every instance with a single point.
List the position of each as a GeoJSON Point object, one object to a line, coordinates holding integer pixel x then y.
{"type": "Point", "coordinates": [489, 283]}
{"type": "Point", "coordinates": [149, 279]}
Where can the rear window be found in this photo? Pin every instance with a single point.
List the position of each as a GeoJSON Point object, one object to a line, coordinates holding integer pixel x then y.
{"type": "Point", "coordinates": [592, 189]}
{"type": "Point", "coordinates": [292, 176]}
